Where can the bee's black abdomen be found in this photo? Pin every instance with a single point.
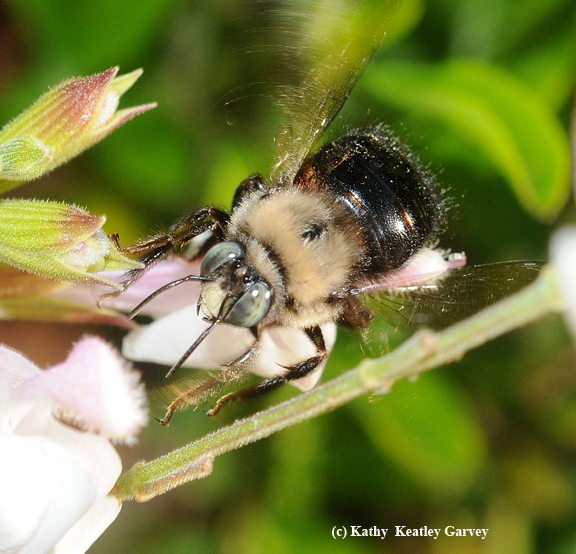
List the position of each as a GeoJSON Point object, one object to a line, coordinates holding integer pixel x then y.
{"type": "Point", "coordinates": [395, 201]}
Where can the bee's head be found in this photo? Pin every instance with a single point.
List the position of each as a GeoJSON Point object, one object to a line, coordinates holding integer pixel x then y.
{"type": "Point", "coordinates": [234, 292]}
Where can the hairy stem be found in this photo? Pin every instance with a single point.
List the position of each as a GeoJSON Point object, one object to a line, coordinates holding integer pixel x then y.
{"type": "Point", "coordinates": [424, 351]}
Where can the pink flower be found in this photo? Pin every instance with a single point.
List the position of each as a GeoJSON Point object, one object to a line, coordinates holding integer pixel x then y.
{"type": "Point", "coordinates": [55, 478]}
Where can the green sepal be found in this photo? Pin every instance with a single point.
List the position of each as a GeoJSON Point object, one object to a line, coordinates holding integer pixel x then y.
{"type": "Point", "coordinates": [58, 241]}
{"type": "Point", "coordinates": [23, 158]}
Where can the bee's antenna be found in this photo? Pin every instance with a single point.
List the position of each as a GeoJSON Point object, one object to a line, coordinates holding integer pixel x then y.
{"type": "Point", "coordinates": [173, 284]}
{"type": "Point", "coordinates": [186, 355]}
{"type": "Point", "coordinates": [225, 308]}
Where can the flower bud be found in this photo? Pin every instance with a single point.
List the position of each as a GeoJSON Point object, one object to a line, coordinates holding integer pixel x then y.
{"type": "Point", "coordinates": [58, 241]}
{"type": "Point", "coordinates": [69, 118]}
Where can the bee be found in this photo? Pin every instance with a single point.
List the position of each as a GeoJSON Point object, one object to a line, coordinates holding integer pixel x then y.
{"type": "Point", "coordinates": [335, 226]}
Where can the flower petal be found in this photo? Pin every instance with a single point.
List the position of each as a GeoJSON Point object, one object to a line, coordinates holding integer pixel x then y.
{"type": "Point", "coordinates": [89, 527]}
{"type": "Point", "coordinates": [45, 490]}
{"type": "Point", "coordinates": [15, 370]}
{"type": "Point", "coordinates": [22, 507]}
{"type": "Point", "coordinates": [283, 346]}
{"type": "Point", "coordinates": [166, 339]}
{"type": "Point", "coordinates": [162, 273]}
{"type": "Point", "coordinates": [563, 256]}
{"type": "Point", "coordinates": [95, 389]}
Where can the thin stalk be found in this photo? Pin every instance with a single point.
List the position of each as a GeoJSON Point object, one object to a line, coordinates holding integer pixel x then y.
{"type": "Point", "coordinates": [422, 352]}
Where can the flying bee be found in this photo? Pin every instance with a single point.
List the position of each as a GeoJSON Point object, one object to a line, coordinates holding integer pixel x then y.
{"type": "Point", "coordinates": [360, 216]}
{"type": "Point", "coordinates": [299, 254]}
{"type": "Point", "coordinates": [336, 226]}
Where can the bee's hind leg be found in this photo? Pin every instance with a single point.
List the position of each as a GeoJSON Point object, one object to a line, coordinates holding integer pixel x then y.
{"type": "Point", "coordinates": [233, 372]}
{"type": "Point", "coordinates": [292, 373]}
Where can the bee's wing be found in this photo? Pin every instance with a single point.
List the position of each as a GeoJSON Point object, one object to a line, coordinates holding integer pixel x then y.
{"type": "Point", "coordinates": [337, 46]}
{"type": "Point", "coordinates": [441, 302]}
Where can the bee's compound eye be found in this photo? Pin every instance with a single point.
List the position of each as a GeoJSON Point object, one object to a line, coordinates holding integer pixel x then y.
{"type": "Point", "coordinates": [218, 255]}
{"type": "Point", "coordinates": [251, 307]}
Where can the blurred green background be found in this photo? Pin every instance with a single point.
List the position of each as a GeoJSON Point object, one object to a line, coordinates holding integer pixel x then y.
{"type": "Point", "coordinates": [482, 91]}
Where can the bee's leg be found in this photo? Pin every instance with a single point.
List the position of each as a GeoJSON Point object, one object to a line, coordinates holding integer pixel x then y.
{"type": "Point", "coordinates": [355, 315]}
{"type": "Point", "coordinates": [201, 392]}
{"type": "Point", "coordinates": [292, 373]}
{"type": "Point", "coordinates": [254, 183]}
{"type": "Point", "coordinates": [233, 372]}
{"type": "Point", "coordinates": [184, 230]}
{"type": "Point", "coordinates": [159, 247]}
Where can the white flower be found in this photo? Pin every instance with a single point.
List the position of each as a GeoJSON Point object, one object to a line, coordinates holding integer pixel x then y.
{"type": "Point", "coordinates": [55, 478]}
{"type": "Point", "coordinates": [563, 256]}
{"type": "Point", "coordinates": [166, 339]}
{"type": "Point", "coordinates": [178, 325]}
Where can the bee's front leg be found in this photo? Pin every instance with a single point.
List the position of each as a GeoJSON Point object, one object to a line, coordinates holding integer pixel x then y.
{"type": "Point", "coordinates": [159, 247]}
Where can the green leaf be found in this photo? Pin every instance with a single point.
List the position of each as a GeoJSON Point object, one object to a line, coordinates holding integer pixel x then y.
{"type": "Point", "coordinates": [549, 70]}
{"type": "Point", "coordinates": [511, 126]}
{"type": "Point", "coordinates": [427, 430]}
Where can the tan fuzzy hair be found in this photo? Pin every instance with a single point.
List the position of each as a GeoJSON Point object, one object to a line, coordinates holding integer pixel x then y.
{"type": "Point", "coordinates": [280, 224]}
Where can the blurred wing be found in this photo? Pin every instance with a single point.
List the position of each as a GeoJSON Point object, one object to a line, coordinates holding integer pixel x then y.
{"type": "Point", "coordinates": [436, 305]}
{"type": "Point", "coordinates": [339, 40]}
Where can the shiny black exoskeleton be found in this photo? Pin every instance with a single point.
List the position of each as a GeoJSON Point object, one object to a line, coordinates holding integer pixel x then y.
{"type": "Point", "coordinates": [397, 201]}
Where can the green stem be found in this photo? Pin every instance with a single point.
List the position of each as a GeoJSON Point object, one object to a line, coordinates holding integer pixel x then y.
{"type": "Point", "coordinates": [422, 352]}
